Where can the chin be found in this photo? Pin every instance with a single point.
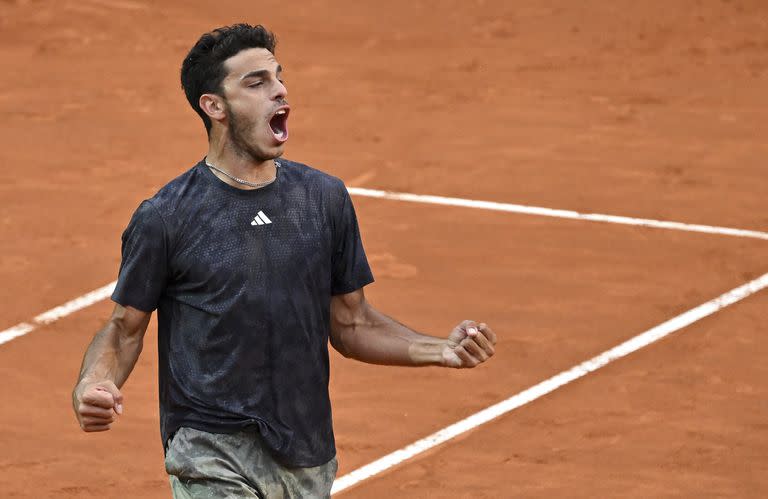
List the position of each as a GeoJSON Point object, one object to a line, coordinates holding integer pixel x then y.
{"type": "Point", "coordinates": [275, 152]}
{"type": "Point", "coordinates": [272, 149]}
{"type": "Point", "coordinates": [264, 152]}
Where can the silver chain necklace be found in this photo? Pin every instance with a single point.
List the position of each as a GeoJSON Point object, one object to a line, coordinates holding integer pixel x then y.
{"type": "Point", "coordinates": [245, 182]}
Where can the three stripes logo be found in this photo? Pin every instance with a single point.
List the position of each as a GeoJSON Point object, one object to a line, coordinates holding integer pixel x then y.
{"type": "Point", "coordinates": [261, 219]}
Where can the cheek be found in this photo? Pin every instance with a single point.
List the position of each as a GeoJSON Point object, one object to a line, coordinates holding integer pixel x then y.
{"type": "Point", "coordinates": [245, 121]}
{"type": "Point", "coordinates": [248, 126]}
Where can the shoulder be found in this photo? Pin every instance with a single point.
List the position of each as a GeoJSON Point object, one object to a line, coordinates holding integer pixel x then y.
{"type": "Point", "coordinates": [331, 192]}
{"type": "Point", "coordinates": [180, 197]}
{"type": "Point", "coordinates": [157, 211]}
{"type": "Point", "coordinates": [325, 189]}
{"type": "Point", "coordinates": [146, 223]}
{"type": "Point", "coordinates": [312, 176]}
{"type": "Point", "coordinates": [176, 191]}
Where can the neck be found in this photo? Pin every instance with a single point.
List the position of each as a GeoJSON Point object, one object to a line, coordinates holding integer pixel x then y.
{"type": "Point", "coordinates": [226, 156]}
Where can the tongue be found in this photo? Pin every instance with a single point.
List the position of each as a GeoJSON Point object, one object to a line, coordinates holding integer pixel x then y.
{"type": "Point", "coordinates": [277, 124]}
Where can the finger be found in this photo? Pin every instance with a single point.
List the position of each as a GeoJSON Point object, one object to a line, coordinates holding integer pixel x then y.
{"type": "Point", "coordinates": [91, 420]}
{"type": "Point", "coordinates": [488, 332]}
{"type": "Point", "coordinates": [470, 327]}
{"type": "Point", "coordinates": [485, 344]}
{"type": "Point", "coordinates": [467, 360]}
{"type": "Point", "coordinates": [93, 428]}
{"type": "Point", "coordinates": [106, 414]}
{"type": "Point", "coordinates": [99, 398]}
{"type": "Point", "coordinates": [117, 397]}
{"type": "Point", "coordinates": [474, 349]}
{"type": "Point", "coordinates": [91, 410]}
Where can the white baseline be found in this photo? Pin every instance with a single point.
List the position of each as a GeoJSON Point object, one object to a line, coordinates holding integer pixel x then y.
{"type": "Point", "coordinates": [99, 294]}
{"type": "Point", "coordinates": [103, 292]}
{"type": "Point", "coordinates": [550, 212]}
{"type": "Point", "coordinates": [551, 384]}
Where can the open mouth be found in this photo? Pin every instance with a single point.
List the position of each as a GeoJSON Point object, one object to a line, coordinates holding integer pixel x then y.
{"type": "Point", "coordinates": [279, 124]}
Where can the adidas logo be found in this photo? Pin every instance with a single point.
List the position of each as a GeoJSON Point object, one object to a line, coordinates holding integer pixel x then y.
{"type": "Point", "coordinates": [261, 219]}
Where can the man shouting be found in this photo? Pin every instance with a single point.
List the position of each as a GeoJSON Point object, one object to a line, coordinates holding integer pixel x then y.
{"type": "Point", "coordinates": [254, 263]}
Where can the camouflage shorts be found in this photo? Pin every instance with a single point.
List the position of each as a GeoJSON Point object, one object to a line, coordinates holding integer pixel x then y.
{"type": "Point", "coordinates": [237, 465]}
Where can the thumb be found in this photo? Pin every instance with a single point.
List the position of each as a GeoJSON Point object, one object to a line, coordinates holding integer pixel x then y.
{"type": "Point", "coordinates": [117, 397]}
{"type": "Point", "coordinates": [471, 328]}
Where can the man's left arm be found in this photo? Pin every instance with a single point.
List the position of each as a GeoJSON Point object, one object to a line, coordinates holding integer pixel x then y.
{"type": "Point", "coordinates": [361, 332]}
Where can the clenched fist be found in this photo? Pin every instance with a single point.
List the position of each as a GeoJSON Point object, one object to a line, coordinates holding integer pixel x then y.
{"type": "Point", "coordinates": [469, 344]}
{"type": "Point", "coordinates": [96, 404]}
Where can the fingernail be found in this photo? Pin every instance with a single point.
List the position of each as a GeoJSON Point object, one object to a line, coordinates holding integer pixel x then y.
{"type": "Point", "coordinates": [471, 331]}
{"type": "Point", "coordinates": [119, 408]}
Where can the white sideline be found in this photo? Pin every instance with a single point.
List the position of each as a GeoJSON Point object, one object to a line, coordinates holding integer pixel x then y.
{"type": "Point", "coordinates": [644, 339]}
{"type": "Point", "coordinates": [57, 313]}
{"type": "Point", "coordinates": [549, 212]}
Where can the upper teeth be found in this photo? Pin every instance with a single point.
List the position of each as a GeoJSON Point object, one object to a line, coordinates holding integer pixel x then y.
{"type": "Point", "coordinates": [281, 111]}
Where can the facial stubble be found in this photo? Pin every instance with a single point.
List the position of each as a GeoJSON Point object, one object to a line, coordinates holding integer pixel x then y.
{"type": "Point", "coordinates": [241, 134]}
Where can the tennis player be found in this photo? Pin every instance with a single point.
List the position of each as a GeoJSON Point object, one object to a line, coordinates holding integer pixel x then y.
{"type": "Point", "coordinates": [254, 263]}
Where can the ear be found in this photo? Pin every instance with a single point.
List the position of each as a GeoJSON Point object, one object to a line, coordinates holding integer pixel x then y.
{"type": "Point", "coordinates": [213, 106]}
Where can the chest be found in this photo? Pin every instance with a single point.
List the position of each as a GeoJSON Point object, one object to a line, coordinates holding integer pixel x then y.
{"type": "Point", "coordinates": [236, 240]}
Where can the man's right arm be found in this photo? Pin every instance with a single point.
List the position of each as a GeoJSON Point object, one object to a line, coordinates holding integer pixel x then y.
{"type": "Point", "coordinates": [108, 361]}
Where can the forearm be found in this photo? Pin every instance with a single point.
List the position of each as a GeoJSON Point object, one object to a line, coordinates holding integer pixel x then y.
{"type": "Point", "coordinates": [111, 355]}
{"type": "Point", "coordinates": [378, 339]}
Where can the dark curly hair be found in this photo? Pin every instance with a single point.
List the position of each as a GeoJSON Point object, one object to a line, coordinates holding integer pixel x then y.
{"type": "Point", "coordinates": [203, 68]}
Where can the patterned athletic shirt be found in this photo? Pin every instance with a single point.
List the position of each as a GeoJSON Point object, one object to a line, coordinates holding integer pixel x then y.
{"type": "Point", "coordinates": [242, 281]}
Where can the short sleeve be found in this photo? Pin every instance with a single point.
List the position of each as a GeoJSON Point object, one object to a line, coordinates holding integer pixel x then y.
{"type": "Point", "coordinates": [144, 265]}
{"type": "Point", "coordinates": [349, 264]}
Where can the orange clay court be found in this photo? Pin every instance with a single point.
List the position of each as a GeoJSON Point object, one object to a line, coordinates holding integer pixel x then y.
{"type": "Point", "coordinates": [650, 110]}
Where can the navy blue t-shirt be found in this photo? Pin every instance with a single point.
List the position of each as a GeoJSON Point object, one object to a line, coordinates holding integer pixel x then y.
{"type": "Point", "coordinates": [242, 281]}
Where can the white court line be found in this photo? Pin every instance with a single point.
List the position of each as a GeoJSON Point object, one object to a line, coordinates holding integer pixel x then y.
{"type": "Point", "coordinates": [549, 212]}
{"type": "Point", "coordinates": [103, 292]}
{"type": "Point", "coordinates": [521, 398]}
{"type": "Point", "coordinates": [57, 313]}
{"type": "Point", "coordinates": [551, 384]}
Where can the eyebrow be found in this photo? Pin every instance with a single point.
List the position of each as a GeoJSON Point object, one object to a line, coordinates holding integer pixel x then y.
{"type": "Point", "coordinates": [260, 73]}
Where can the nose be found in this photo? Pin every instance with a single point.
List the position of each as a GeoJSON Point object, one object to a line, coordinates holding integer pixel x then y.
{"type": "Point", "coordinates": [281, 92]}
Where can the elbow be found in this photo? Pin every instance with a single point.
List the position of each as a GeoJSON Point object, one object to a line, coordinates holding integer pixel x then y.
{"type": "Point", "coordinates": [338, 343]}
